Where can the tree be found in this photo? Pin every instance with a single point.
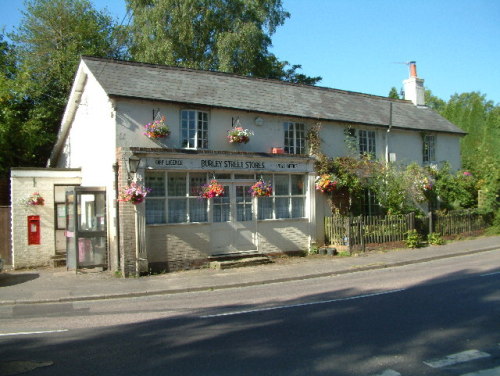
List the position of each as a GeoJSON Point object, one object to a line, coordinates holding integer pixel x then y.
{"type": "Point", "coordinates": [480, 148]}
{"type": "Point", "coordinates": [48, 43]}
{"type": "Point", "coordinates": [393, 93]}
{"type": "Point", "coordinates": [225, 35]}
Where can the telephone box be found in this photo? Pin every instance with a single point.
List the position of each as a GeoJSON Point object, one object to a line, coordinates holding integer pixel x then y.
{"type": "Point", "coordinates": [33, 229]}
{"type": "Point", "coordinates": [86, 229]}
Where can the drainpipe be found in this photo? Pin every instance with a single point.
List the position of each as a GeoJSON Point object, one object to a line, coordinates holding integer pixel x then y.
{"type": "Point", "coordinates": [387, 135]}
{"type": "Point", "coordinates": [117, 216]}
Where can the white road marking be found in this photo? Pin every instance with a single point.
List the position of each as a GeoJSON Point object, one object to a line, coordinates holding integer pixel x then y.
{"type": "Point", "coordinates": [485, 372]}
{"type": "Point", "coordinates": [488, 274]}
{"type": "Point", "coordinates": [29, 333]}
{"type": "Point", "coordinates": [388, 372]}
{"type": "Point", "coordinates": [300, 305]}
{"type": "Point", "coordinates": [464, 356]}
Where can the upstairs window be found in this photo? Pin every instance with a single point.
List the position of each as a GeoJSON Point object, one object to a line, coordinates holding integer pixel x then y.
{"type": "Point", "coordinates": [295, 138]}
{"type": "Point", "coordinates": [429, 151]}
{"type": "Point", "coordinates": [366, 143]}
{"type": "Point", "coordinates": [194, 129]}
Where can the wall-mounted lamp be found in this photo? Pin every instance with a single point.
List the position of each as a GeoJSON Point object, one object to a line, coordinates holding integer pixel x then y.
{"type": "Point", "coordinates": [259, 121]}
{"type": "Point", "coordinates": [133, 164]}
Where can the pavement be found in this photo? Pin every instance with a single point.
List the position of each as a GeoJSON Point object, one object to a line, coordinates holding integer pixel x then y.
{"type": "Point", "coordinates": [54, 285]}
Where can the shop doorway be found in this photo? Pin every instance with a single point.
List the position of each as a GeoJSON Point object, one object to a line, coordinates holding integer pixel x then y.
{"type": "Point", "coordinates": [234, 220]}
{"type": "Point", "coordinates": [86, 229]}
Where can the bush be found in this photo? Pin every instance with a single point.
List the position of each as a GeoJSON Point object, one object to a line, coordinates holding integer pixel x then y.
{"type": "Point", "coordinates": [435, 238]}
{"type": "Point", "coordinates": [413, 239]}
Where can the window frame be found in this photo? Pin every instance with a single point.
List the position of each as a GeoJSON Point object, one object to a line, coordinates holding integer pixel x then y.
{"type": "Point", "coordinates": [296, 142]}
{"type": "Point", "coordinates": [277, 211]}
{"type": "Point", "coordinates": [201, 127]}
{"type": "Point", "coordinates": [367, 144]}
{"type": "Point", "coordinates": [428, 148]}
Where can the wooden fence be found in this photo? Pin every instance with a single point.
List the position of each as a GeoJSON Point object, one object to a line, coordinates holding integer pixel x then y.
{"type": "Point", "coordinates": [356, 232]}
{"type": "Point", "coordinates": [457, 222]}
{"type": "Point", "coordinates": [5, 243]}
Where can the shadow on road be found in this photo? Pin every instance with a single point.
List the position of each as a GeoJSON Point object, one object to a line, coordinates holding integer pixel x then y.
{"type": "Point", "coordinates": [337, 336]}
{"type": "Point", "coordinates": [7, 279]}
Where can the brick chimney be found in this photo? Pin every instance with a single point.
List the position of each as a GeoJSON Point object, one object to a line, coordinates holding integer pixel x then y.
{"type": "Point", "coordinates": [414, 86]}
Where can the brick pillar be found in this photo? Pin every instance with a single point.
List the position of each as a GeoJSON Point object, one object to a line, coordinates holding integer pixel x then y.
{"type": "Point", "coordinates": [127, 226]}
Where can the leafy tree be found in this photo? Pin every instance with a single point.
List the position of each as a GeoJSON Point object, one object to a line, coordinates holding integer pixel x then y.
{"type": "Point", "coordinates": [48, 43]}
{"type": "Point", "coordinates": [480, 148]}
{"type": "Point", "coordinates": [225, 35]}
{"type": "Point", "coordinates": [437, 104]}
{"type": "Point", "coordinates": [393, 93]}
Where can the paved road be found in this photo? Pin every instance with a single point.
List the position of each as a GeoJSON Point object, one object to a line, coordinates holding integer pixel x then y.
{"type": "Point", "coordinates": [435, 318]}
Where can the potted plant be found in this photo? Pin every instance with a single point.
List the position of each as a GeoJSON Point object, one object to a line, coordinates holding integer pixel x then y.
{"type": "Point", "coordinates": [157, 129]}
{"type": "Point", "coordinates": [134, 193]}
{"type": "Point", "coordinates": [326, 183]}
{"type": "Point", "coordinates": [261, 189]}
{"type": "Point", "coordinates": [35, 199]}
{"type": "Point", "coordinates": [212, 189]}
{"type": "Point", "coordinates": [238, 135]}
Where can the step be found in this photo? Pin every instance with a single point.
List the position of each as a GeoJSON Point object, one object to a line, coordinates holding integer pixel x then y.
{"type": "Point", "coordinates": [240, 262]}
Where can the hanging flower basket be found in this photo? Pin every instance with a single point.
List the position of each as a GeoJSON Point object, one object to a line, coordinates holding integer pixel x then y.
{"type": "Point", "coordinates": [238, 135]}
{"type": "Point", "coordinates": [157, 129]}
{"type": "Point", "coordinates": [427, 184]}
{"type": "Point", "coordinates": [35, 199]}
{"type": "Point", "coordinates": [134, 193]}
{"type": "Point", "coordinates": [326, 183]}
{"type": "Point", "coordinates": [261, 189]}
{"type": "Point", "coordinates": [212, 189]}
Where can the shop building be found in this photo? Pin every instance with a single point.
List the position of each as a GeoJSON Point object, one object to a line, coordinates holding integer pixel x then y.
{"type": "Point", "coordinates": [103, 136]}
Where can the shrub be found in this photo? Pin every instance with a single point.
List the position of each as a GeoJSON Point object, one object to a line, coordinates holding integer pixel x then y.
{"type": "Point", "coordinates": [435, 238]}
{"type": "Point", "coordinates": [413, 239]}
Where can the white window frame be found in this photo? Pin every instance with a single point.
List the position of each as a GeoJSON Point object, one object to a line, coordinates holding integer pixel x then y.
{"type": "Point", "coordinates": [429, 148]}
{"type": "Point", "coordinates": [165, 198]}
{"type": "Point", "coordinates": [201, 120]}
{"type": "Point", "coordinates": [294, 137]}
{"type": "Point", "coordinates": [367, 142]}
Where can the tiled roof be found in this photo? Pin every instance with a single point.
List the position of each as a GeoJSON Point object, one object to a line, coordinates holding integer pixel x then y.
{"type": "Point", "coordinates": [173, 84]}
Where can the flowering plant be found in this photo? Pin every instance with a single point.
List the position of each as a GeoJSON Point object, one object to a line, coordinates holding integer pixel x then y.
{"type": "Point", "coordinates": [134, 193]}
{"type": "Point", "coordinates": [326, 183]}
{"type": "Point", "coordinates": [212, 189]}
{"type": "Point", "coordinates": [34, 200]}
{"type": "Point", "coordinates": [157, 129]}
{"type": "Point", "coordinates": [239, 135]}
{"type": "Point", "coordinates": [427, 184]}
{"type": "Point", "coordinates": [261, 189]}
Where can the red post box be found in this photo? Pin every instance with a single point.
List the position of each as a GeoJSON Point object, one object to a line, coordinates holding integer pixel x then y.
{"type": "Point", "coordinates": [33, 229]}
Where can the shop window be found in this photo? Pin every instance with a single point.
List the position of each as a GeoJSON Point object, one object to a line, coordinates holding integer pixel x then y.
{"type": "Point", "coordinates": [295, 138]}
{"type": "Point", "coordinates": [174, 198]}
{"type": "Point", "coordinates": [194, 129]}
{"type": "Point", "coordinates": [288, 200]}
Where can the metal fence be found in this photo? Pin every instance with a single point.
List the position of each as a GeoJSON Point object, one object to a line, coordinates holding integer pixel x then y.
{"type": "Point", "coordinates": [354, 233]}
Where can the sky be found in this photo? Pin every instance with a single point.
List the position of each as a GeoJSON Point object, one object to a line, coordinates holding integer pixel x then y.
{"type": "Point", "coordinates": [363, 45]}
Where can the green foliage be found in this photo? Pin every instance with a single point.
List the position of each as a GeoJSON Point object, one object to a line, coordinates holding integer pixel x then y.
{"type": "Point", "coordinates": [435, 238]}
{"type": "Point", "coordinates": [413, 239]}
{"type": "Point", "coordinates": [36, 73]}
{"type": "Point", "coordinates": [393, 93]}
{"type": "Point", "coordinates": [230, 36]}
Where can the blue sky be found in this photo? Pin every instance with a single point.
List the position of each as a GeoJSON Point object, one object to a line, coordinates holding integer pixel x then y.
{"type": "Point", "coordinates": [358, 45]}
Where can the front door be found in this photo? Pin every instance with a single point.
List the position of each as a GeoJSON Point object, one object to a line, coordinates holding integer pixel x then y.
{"type": "Point", "coordinates": [234, 222]}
